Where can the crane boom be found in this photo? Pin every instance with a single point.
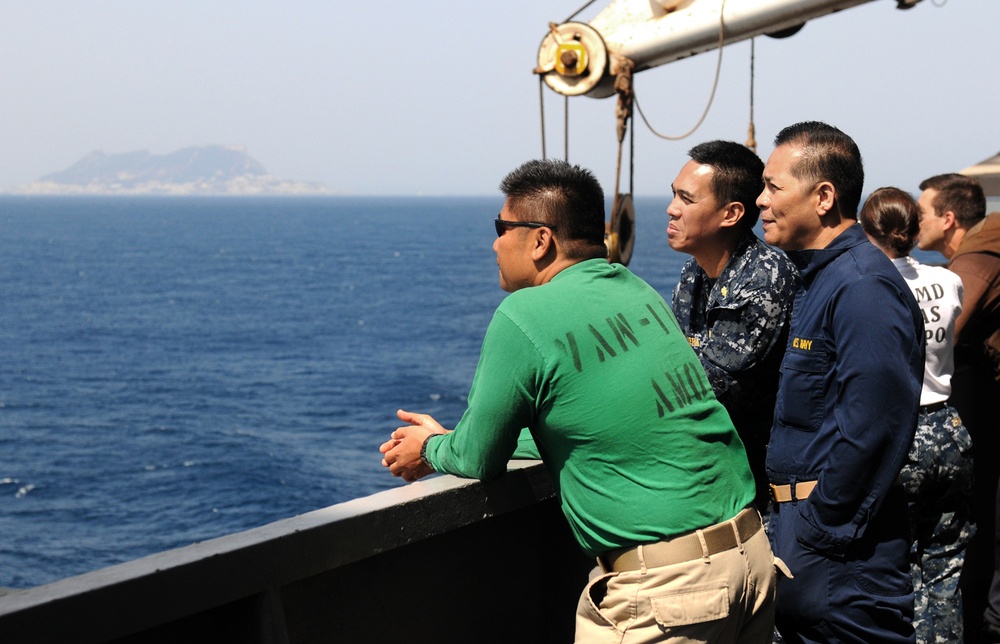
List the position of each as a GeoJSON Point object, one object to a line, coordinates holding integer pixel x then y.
{"type": "Point", "coordinates": [578, 58]}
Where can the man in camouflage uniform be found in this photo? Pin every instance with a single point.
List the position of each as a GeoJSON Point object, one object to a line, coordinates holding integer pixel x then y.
{"type": "Point", "coordinates": [734, 298]}
{"type": "Point", "coordinates": [938, 474]}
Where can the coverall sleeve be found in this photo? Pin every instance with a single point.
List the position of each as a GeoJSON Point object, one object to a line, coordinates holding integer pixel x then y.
{"type": "Point", "coordinates": [877, 371]}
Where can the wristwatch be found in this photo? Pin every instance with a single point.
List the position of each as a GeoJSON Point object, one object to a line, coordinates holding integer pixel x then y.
{"type": "Point", "coordinates": [423, 451]}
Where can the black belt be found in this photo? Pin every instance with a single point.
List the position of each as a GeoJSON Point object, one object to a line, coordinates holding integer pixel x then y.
{"type": "Point", "coordinates": [695, 545]}
{"type": "Point", "coordinates": [933, 407]}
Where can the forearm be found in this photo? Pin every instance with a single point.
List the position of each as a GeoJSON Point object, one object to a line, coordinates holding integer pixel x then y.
{"type": "Point", "coordinates": [500, 405]}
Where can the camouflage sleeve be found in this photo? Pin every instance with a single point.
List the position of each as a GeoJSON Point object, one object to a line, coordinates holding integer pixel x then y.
{"type": "Point", "coordinates": [683, 306]}
{"type": "Point", "coordinates": [748, 323]}
{"type": "Point", "coordinates": [723, 382]}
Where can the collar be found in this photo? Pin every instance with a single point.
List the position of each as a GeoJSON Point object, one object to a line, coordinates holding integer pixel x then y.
{"type": "Point", "coordinates": [595, 265]}
{"type": "Point", "coordinates": [809, 262]}
{"type": "Point", "coordinates": [733, 268]}
{"type": "Point", "coordinates": [984, 237]}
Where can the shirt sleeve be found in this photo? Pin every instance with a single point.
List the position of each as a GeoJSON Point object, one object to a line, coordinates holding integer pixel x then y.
{"type": "Point", "coordinates": [526, 446]}
{"type": "Point", "coordinates": [682, 303]}
{"type": "Point", "coordinates": [976, 286]}
{"type": "Point", "coordinates": [501, 402]}
{"type": "Point", "coordinates": [877, 371]}
{"type": "Point", "coordinates": [743, 333]}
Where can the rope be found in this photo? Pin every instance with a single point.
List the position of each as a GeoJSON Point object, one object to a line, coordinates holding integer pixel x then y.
{"type": "Point", "coordinates": [578, 11]}
{"type": "Point", "coordinates": [566, 129]}
{"type": "Point", "coordinates": [715, 85]}
{"type": "Point", "coordinates": [541, 107]}
{"type": "Point", "coordinates": [631, 157]}
{"type": "Point", "coordinates": [752, 131]}
{"type": "Point", "coordinates": [623, 87]}
{"type": "Point", "coordinates": [541, 96]}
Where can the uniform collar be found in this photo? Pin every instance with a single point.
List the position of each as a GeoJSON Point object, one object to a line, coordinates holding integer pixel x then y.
{"type": "Point", "coordinates": [810, 262]}
{"type": "Point", "coordinates": [733, 268]}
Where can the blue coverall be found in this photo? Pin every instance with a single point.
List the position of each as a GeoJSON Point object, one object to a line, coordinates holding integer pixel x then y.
{"type": "Point", "coordinates": [845, 416]}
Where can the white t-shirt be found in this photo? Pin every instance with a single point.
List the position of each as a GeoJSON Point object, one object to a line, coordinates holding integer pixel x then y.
{"type": "Point", "coordinates": [939, 295]}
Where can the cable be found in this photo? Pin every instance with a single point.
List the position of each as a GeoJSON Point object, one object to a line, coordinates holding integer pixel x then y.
{"type": "Point", "coordinates": [715, 85]}
{"type": "Point", "coordinates": [566, 129]}
{"type": "Point", "coordinates": [752, 130]}
{"type": "Point", "coordinates": [577, 12]}
{"type": "Point", "coordinates": [541, 107]}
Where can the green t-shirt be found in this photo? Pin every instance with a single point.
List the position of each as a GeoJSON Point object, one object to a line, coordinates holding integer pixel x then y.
{"type": "Point", "coordinates": [594, 365]}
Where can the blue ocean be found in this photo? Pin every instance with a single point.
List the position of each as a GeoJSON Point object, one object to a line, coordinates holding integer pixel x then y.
{"type": "Point", "coordinates": [177, 369]}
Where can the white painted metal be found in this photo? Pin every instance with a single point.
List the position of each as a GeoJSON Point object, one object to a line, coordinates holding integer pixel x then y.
{"type": "Point", "coordinates": [648, 35]}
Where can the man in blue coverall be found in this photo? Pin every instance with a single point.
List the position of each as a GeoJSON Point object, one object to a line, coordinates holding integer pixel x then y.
{"type": "Point", "coordinates": [847, 402]}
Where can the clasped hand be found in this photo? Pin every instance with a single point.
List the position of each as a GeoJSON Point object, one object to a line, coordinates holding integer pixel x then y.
{"type": "Point", "coordinates": [401, 453]}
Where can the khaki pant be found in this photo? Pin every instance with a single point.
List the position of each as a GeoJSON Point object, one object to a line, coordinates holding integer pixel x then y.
{"type": "Point", "coordinates": [728, 597]}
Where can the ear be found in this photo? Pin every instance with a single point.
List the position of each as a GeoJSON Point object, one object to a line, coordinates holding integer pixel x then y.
{"type": "Point", "coordinates": [827, 196]}
{"type": "Point", "coordinates": [950, 221]}
{"type": "Point", "coordinates": [733, 214]}
{"type": "Point", "coordinates": [542, 244]}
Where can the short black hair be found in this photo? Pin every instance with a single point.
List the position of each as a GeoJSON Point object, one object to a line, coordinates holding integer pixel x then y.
{"type": "Point", "coordinates": [827, 155]}
{"type": "Point", "coordinates": [568, 197]}
{"type": "Point", "coordinates": [738, 175]}
{"type": "Point", "coordinates": [960, 194]}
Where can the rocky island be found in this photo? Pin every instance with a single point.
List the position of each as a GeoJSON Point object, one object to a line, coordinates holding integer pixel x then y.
{"type": "Point", "coordinates": [200, 170]}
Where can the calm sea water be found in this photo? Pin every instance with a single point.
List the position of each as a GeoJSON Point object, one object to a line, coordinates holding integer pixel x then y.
{"type": "Point", "coordinates": [173, 370]}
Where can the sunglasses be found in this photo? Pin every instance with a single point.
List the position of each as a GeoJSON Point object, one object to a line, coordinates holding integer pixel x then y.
{"type": "Point", "coordinates": [503, 224]}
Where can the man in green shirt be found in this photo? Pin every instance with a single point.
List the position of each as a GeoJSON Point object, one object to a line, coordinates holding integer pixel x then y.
{"type": "Point", "coordinates": [652, 476]}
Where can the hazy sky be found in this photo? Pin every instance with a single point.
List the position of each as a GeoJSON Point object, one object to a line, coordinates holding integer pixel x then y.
{"type": "Point", "coordinates": [438, 98]}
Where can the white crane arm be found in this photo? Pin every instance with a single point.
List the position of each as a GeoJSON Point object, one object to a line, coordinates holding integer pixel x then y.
{"type": "Point", "coordinates": [582, 58]}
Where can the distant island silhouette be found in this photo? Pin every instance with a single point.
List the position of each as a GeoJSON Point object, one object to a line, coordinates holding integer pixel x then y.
{"type": "Point", "coordinates": [199, 170]}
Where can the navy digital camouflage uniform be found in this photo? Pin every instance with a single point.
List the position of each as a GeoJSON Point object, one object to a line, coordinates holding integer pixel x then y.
{"type": "Point", "coordinates": [938, 481]}
{"type": "Point", "coordinates": [738, 326]}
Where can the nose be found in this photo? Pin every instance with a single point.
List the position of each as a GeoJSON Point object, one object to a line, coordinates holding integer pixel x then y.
{"type": "Point", "coordinates": [495, 242]}
{"type": "Point", "coordinates": [673, 209]}
{"type": "Point", "coordinates": [762, 200]}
